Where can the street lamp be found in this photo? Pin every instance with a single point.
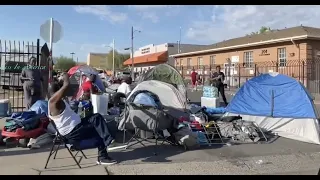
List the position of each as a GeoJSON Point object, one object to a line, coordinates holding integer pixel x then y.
{"type": "Point", "coordinates": [112, 56]}
{"type": "Point", "coordinates": [132, 66]}
{"type": "Point", "coordinates": [72, 55]}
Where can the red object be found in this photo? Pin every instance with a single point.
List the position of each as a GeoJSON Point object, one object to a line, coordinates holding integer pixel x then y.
{"type": "Point", "coordinates": [182, 119]}
{"type": "Point", "coordinates": [73, 70]}
{"type": "Point", "coordinates": [196, 125]}
{"type": "Point", "coordinates": [20, 133]}
{"type": "Point", "coordinates": [194, 77]}
{"type": "Point", "coordinates": [86, 86]}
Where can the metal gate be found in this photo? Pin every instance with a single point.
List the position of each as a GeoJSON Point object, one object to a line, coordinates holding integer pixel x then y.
{"type": "Point", "coordinates": [14, 55]}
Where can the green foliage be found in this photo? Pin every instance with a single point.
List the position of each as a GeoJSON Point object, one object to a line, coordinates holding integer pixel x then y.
{"type": "Point", "coordinates": [119, 58]}
{"type": "Point", "coordinates": [263, 29]}
{"type": "Point", "coordinates": [64, 63]}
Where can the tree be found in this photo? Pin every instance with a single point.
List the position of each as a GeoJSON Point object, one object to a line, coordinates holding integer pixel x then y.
{"type": "Point", "coordinates": [119, 58]}
{"type": "Point", "coordinates": [263, 29]}
{"type": "Point", "coordinates": [64, 63]}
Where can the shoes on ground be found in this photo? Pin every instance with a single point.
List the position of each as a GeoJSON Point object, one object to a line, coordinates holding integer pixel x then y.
{"type": "Point", "coordinates": [106, 161]}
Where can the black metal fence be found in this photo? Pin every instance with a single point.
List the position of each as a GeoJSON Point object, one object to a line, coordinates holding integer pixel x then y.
{"type": "Point", "coordinates": [14, 55]}
{"type": "Point", "coordinates": [306, 71]}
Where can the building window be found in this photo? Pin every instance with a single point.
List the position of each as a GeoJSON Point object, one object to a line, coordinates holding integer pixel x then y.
{"type": "Point", "coordinates": [189, 63]}
{"type": "Point", "coordinates": [282, 57]}
{"type": "Point", "coordinates": [200, 62]}
{"type": "Point", "coordinates": [248, 59]}
{"type": "Point", "coordinates": [181, 62]}
{"type": "Point", "coordinates": [212, 60]}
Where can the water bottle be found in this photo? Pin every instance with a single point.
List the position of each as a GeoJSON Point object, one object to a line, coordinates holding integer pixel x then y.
{"type": "Point", "coordinates": [80, 108]}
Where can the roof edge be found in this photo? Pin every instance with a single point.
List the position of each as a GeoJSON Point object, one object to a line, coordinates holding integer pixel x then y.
{"type": "Point", "coordinates": [247, 45]}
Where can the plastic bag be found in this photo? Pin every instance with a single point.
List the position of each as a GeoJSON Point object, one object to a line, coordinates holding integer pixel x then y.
{"type": "Point", "coordinates": [210, 92]}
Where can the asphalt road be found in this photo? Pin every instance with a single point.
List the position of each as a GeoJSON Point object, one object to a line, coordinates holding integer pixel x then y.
{"type": "Point", "coordinates": [278, 156]}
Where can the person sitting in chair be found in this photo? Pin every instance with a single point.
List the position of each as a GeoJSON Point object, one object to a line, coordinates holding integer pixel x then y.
{"type": "Point", "coordinates": [74, 129]}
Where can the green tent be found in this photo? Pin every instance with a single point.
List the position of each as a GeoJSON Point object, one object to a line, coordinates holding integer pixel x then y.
{"type": "Point", "coordinates": [167, 74]}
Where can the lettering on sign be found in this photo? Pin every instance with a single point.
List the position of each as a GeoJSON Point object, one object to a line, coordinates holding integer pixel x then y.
{"type": "Point", "coordinates": [264, 53]}
{"type": "Point", "coordinates": [145, 50]}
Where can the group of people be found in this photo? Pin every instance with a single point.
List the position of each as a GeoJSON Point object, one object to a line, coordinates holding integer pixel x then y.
{"type": "Point", "coordinates": [67, 121]}
{"type": "Point", "coordinates": [216, 79]}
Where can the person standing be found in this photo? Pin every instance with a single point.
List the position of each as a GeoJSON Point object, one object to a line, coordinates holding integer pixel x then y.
{"type": "Point", "coordinates": [194, 75]}
{"type": "Point", "coordinates": [218, 78]}
{"type": "Point", "coordinates": [31, 79]}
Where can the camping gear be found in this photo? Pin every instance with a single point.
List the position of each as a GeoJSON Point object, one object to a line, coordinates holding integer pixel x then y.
{"type": "Point", "coordinates": [40, 107]}
{"type": "Point", "coordinates": [210, 92]}
{"type": "Point", "coordinates": [146, 121]}
{"type": "Point", "coordinates": [207, 133]}
{"type": "Point", "coordinates": [76, 79]}
{"type": "Point", "coordinates": [22, 136]}
{"type": "Point", "coordinates": [5, 107]}
{"type": "Point", "coordinates": [210, 102]}
{"type": "Point", "coordinates": [241, 131]}
{"type": "Point", "coordinates": [36, 143]}
{"type": "Point", "coordinates": [171, 99]}
{"type": "Point", "coordinates": [100, 103]}
{"type": "Point", "coordinates": [168, 74]}
{"type": "Point", "coordinates": [219, 110]}
{"type": "Point", "coordinates": [277, 103]}
{"type": "Point", "coordinates": [186, 138]}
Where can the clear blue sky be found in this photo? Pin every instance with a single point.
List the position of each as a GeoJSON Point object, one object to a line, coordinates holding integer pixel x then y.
{"type": "Point", "coordinates": [90, 28]}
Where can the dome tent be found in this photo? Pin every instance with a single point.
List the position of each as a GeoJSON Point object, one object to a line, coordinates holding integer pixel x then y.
{"type": "Point", "coordinates": [280, 104]}
{"type": "Point", "coordinates": [168, 74]}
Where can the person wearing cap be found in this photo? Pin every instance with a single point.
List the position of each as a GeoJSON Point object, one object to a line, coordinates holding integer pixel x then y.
{"type": "Point", "coordinates": [31, 79]}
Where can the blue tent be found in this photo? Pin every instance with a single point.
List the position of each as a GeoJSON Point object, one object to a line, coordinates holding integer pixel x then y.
{"type": "Point", "coordinates": [273, 95]}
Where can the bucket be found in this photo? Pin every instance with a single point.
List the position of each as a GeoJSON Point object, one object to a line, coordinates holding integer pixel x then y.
{"type": "Point", "coordinates": [5, 107]}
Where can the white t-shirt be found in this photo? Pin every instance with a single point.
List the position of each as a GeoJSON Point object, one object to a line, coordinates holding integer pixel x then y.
{"type": "Point", "coordinates": [66, 121]}
{"type": "Point", "coordinates": [124, 88]}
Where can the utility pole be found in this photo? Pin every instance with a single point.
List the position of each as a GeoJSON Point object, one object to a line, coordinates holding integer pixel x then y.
{"type": "Point", "coordinates": [113, 72]}
{"type": "Point", "coordinates": [72, 55]}
{"type": "Point", "coordinates": [179, 42]}
{"type": "Point", "coordinates": [77, 60]}
{"type": "Point", "coordinates": [132, 58]}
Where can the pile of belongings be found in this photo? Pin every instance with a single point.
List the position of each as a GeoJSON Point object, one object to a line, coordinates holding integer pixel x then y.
{"type": "Point", "coordinates": [238, 130]}
{"type": "Point", "coordinates": [28, 120]}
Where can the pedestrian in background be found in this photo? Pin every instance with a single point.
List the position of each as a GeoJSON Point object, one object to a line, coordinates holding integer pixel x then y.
{"type": "Point", "coordinates": [194, 76]}
{"type": "Point", "coordinates": [31, 79]}
{"type": "Point", "coordinates": [218, 79]}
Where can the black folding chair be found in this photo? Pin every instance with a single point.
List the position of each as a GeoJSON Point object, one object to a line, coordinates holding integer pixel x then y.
{"type": "Point", "coordinates": [57, 142]}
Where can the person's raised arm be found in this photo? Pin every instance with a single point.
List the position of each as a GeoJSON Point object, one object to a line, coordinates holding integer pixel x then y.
{"type": "Point", "coordinates": [59, 95]}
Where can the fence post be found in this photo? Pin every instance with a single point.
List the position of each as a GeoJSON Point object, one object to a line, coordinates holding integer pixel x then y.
{"type": "Point", "coordinates": [255, 69]}
{"type": "Point", "coordinates": [38, 52]}
{"type": "Point", "coordinates": [182, 71]}
{"type": "Point", "coordinates": [239, 69]}
{"type": "Point", "coordinates": [303, 80]}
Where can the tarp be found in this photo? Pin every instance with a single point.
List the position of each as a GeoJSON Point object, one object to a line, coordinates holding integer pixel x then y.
{"type": "Point", "coordinates": [277, 103]}
{"type": "Point", "coordinates": [167, 74]}
{"type": "Point", "coordinates": [276, 96]}
{"type": "Point", "coordinates": [77, 71]}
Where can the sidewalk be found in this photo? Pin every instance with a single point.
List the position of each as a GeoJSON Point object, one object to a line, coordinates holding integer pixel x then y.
{"type": "Point", "coordinates": [32, 164]}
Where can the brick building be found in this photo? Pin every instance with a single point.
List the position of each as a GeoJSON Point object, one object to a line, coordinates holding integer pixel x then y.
{"type": "Point", "coordinates": [280, 47]}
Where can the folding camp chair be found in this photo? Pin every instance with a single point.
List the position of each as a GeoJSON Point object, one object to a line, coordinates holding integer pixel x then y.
{"type": "Point", "coordinates": [149, 113]}
{"type": "Point", "coordinates": [57, 141]}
